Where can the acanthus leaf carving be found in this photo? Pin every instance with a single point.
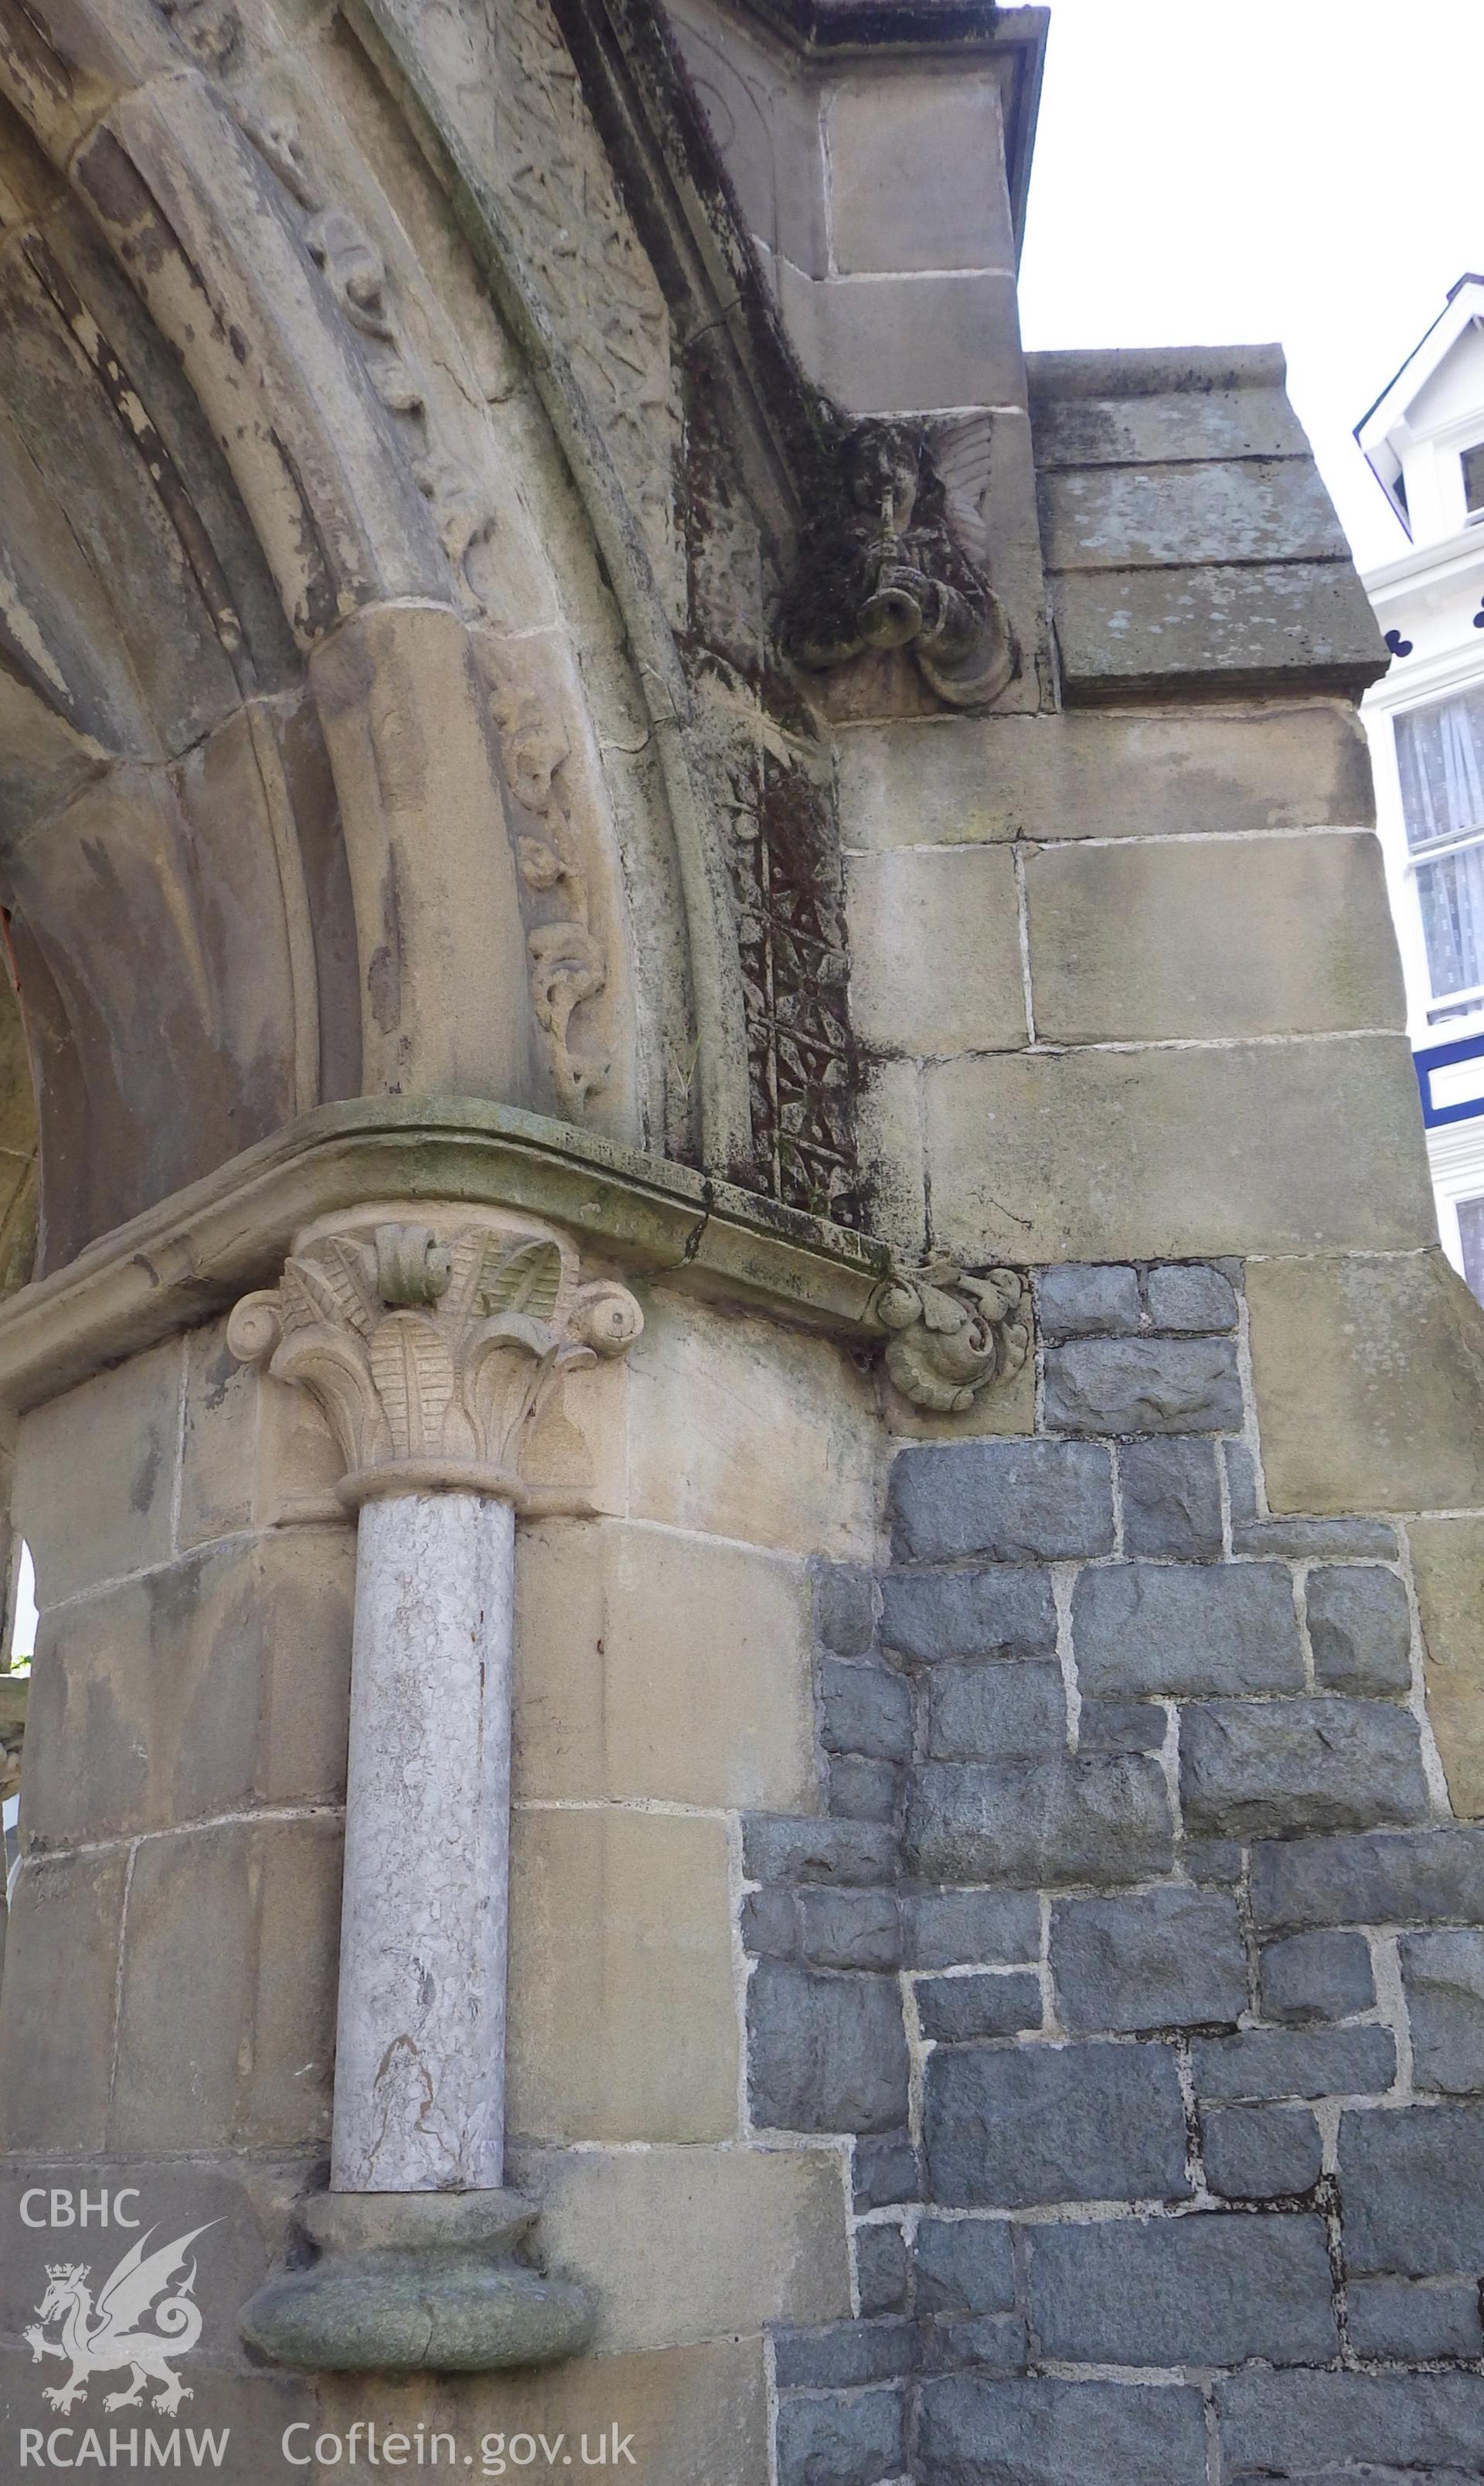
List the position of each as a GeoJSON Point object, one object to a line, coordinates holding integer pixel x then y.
{"type": "Point", "coordinates": [952, 1335]}
{"type": "Point", "coordinates": [431, 1358]}
{"type": "Point", "coordinates": [895, 561]}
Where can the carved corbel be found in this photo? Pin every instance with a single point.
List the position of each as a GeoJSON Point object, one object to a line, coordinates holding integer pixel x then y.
{"type": "Point", "coordinates": [900, 559]}
{"type": "Point", "coordinates": [951, 1337]}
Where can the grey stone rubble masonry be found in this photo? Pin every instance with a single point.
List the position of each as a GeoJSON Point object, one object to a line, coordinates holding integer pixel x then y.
{"type": "Point", "coordinates": [1210, 2288]}
{"type": "Point", "coordinates": [864, 1709]}
{"type": "Point", "coordinates": [1092, 1818]}
{"type": "Point", "coordinates": [963, 2266]}
{"type": "Point", "coordinates": [862, 1790]}
{"type": "Point", "coordinates": [845, 1607]}
{"type": "Point", "coordinates": [887, 2170]}
{"type": "Point", "coordinates": [1317, 1977]}
{"type": "Point", "coordinates": [1261, 2152]}
{"type": "Point", "coordinates": [1404, 1878]}
{"type": "Point", "coordinates": [975, 2431]}
{"type": "Point", "coordinates": [952, 2010]}
{"type": "Point", "coordinates": [825, 2053]}
{"type": "Point", "coordinates": [1297, 2425]}
{"type": "Point", "coordinates": [1165, 1959]}
{"type": "Point", "coordinates": [1297, 1538]}
{"type": "Point", "coordinates": [850, 1928]}
{"type": "Point", "coordinates": [1295, 2063]}
{"type": "Point", "coordinates": [1443, 1975]}
{"type": "Point", "coordinates": [995, 2342]}
{"type": "Point", "coordinates": [932, 1617]}
{"type": "Point", "coordinates": [1185, 1629]}
{"type": "Point", "coordinates": [1171, 1498]}
{"type": "Point", "coordinates": [842, 2355]}
{"type": "Point", "coordinates": [1191, 1296]}
{"type": "Point", "coordinates": [971, 1928]}
{"type": "Point", "coordinates": [1120, 1386]}
{"type": "Point", "coordinates": [995, 1712]}
{"type": "Point", "coordinates": [1009, 1501]}
{"type": "Point", "coordinates": [882, 2268]}
{"type": "Point", "coordinates": [1413, 2183]}
{"type": "Point", "coordinates": [1406, 2321]}
{"type": "Point", "coordinates": [1013, 2127]}
{"type": "Point", "coordinates": [1360, 1628]}
{"type": "Point", "coordinates": [1078, 1301]}
{"type": "Point", "coordinates": [1262, 1769]}
{"type": "Point", "coordinates": [851, 2441]}
{"type": "Point", "coordinates": [1121, 1725]}
{"type": "Point", "coordinates": [776, 1847]}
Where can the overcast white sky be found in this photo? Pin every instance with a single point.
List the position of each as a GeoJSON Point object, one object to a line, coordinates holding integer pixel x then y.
{"type": "Point", "coordinates": [1216, 172]}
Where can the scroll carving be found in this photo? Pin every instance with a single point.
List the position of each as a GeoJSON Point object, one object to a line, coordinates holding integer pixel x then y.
{"type": "Point", "coordinates": [896, 561]}
{"type": "Point", "coordinates": [430, 1353]}
{"type": "Point", "coordinates": [952, 1337]}
{"type": "Point", "coordinates": [569, 965]}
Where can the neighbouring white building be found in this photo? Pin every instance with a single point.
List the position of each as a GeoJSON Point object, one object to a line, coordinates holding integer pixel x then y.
{"type": "Point", "coordinates": [1424, 441]}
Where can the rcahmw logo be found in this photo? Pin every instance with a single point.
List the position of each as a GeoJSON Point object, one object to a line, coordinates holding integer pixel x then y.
{"type": "Point", "coordinates": [141, 2321]}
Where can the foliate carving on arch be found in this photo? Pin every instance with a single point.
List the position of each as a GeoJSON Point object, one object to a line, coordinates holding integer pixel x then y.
{"type": "Point", "coordinates": [898, 557]}
{"type": "Point", "coordinates": [952, 1335]}
{"type": "Point", "coordinates": [568, 963]}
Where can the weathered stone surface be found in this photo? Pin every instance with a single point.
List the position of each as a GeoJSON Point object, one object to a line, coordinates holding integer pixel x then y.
{"type": "Point", "coordinates": [1134, 406]}
{"type": "Point", "coordinates": [995, 1712]}
{"type": "Point", "coordinates": [816, 1851]}
{"type": "Point", "coordinates": [1211, 937]}
{"type": "Point", "coordinates": [1172, 1499]}
{"type": "Point", "coordinates": [1187, 1151]}
{"type": "Point", "coordinates": [862, 1790]}
{"type": "Point", "coordinates": [1210, 2291]}
{"type": "Point", "coordinates": [935, 964]}
{"type": "Point", "coordinates": [1317, 1977]}
{"type": "Point", "coordinates": [1397, 2319]}
{"type": "Point", "coordinates": [1163, 1959]}
{"type": "Point", "coordinates": [954, 2009]}
{"type": "Point", "coordinates": [1007, 2127]}
{"type": "Point", "coordinates": [887, 2170]}
{"type": "Point", "coordinates": [1121, 1725]}
{"type": "Point", "coordinates": [1011, 1501]}
{"type": "Point", "coordinates": [622, 2012]}
{"type": "Point", "coordinates": [915, 174]}
{"type": "Point", "coordinates": [1285, 2424]}
{"type": "Point", "coordinates": [1259, 1769]}
{"type": "Point", "coordinates": [1215, 627]}
{"type": "Point", "coordinates": [61, 1979]}
{"type": "Point", "coordinates": [1186, 1628]}
{"type": "Point", "coordinates": [1407, 1878]}
{"type": "Point", "coordinates": [1107, 774]}
{"type": "Point", "coordinates": [95, 1475]}
{"type": "Point", "coordinates": [976, 2432]}
{"type": "Point", "coordinates": [963, 2266]}
{"type": "Point", "coordinates": [1295, 2062]}
{"type": "Point", "coordinates": [1369, 1373]}
{"type": "Point", "coordinates": [954, 1928]}
{"type": "Point", "coordinates": [1443, 1977]}
{"type": "Point", "coordinates": [1089, 1818]}
{"type": "Point", "coordinates": [852, 2441]}
{"type": "Point", "coordinates": [1076, 1300]}
{"type": "Point", "coordinates": [1256, 2152]}
{"type": "Point", "coordinates": [1198, 507]}
{"type": "Point", "coordinates": [1143, 1386]}
{"type": "Point", "coordinates": [1007, 1612]}
{"type": "Point", "coordinates": [864, 1709]}
{"type": "Point", "coordinates": [850, 1928]}
{"type": "Point", "coordinates": [770, 1924]}
{"type": "Point", "coordinates": [1360, 1628]}
{"type": "Point", "coordinates": [843, 2356]}
{"type": "Point", "coordinates": [1191, 1296]}
{"type": "Point", "coordinates": [882, 2268]}
{"type": "Point", "coordinates": [993, 2343]}
{"type": "Point", "coordinates": [1447, 1563]}
{"type": "Point", "coordinates": [825, 2054]}
{"type": "Point", "coordinates": [845, 1607]}
{"type": "Point", "coordinates": [1347, 1539]}
{"type": "Point", "coordinates": [1413, 2189]}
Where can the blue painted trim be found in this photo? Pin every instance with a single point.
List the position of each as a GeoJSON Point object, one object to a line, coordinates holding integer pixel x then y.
{"type": "Point", "coordinates": [1435, 1057]}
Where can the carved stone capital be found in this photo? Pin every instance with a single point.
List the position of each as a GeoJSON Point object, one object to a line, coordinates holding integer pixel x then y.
{"type": "Point", "coordinates": [952, 1337]}
{"type": "Point", "coordinates": [430, 1338]}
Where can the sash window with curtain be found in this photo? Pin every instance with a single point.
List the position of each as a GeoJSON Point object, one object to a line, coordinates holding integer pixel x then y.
{"type": "Point", "coordinates": [1440, 752]}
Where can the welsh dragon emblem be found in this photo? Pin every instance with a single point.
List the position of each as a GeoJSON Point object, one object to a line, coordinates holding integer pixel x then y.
{"type": "Point", "coordinates": [101, 2337]}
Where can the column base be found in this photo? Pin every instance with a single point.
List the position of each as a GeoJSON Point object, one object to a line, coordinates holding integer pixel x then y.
{"type": "Point", "coordinates": [410, 2282]}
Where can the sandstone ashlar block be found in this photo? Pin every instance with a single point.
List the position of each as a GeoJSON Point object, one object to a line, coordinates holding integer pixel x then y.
{"type": "Point", "coordinates": [1208, 2290]}
{"type": "Point", "coordinates": [1160, 1959]}
{"type": "Point", "coordinates": [1366, 1377]}
{"type": "Point", "coordinates": [227, 1999]}
{"type": "Point", "coordinates": [1262, 1769]}
{"type": "Point", "coordinates": [1398, 1878]}
{"type": "Point", "coordinates": [916, 171]}
{"type": "Point", "coordinates": [1106, 774]}
{"type": "Point", "coordinates": [1414, 2190]}
{"type": "Point", "coordinates": [622, 2017]}
{"type": "Point", "coordinates": [825, 2053]}
{"type": "Point", "coordinates": [1186, 1628]}
{"type": "Point", "coordinates": [255, 1452]}
{"type": "Point", "coordinates": [740, 1429]}
{"type": "Point", "coordinates": [906, 344]}
{"type": "Point", "coordinates": [654, 1664]}
{"type": "Point", "coordinates": [1255, 2153]}
{"type": "Point", "coordinates": [217, 1684]}
{"type": "Point", "coordinates": [1211, 937]}
{"type": "Point", "coordinates": [1009, 1501]}
{"type": "Point", "coordinates": [1360, 1628]}
{"type": "Point", "coordinates": [686, 2245]}
{"type": "Point", "coordinates": [1078, 1302]}
{"type": "Point", "coordinates": [1114, 1385]}
{"type": "Point", "coordinates": [1302, 2424]}
{"type": "Point", "coordinates": [1408, 2323]}
{"type": "Point", "coordinates": [1081, 1817]}
{"type": "Point", "coordinates": [1172, 1499]}
{"type": "Point", "coordinates": [1448, 1565]}
{"type": "Point", "coordinates": [935, 951]}
{"type": "Point", "coordinates": [1181, 1151]}
{"type": "Point", "coordinates": [57, 2007]}
{"type": "Point", "coordinates": [1010, 2127]}
{"type": "Point", "coordinates": [1005, 1612]}
{"type": "Point", "coordinates": [1295, 2063]}
{"type": "Point", "coordinates": [1443, 1975]}
{"type": "Point", "coordinates": [1317, 1977]}
{"type": "Point", "coordinates": [1044, 2433]}
{"type": "Point", "coordinates": [95, 1475]}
